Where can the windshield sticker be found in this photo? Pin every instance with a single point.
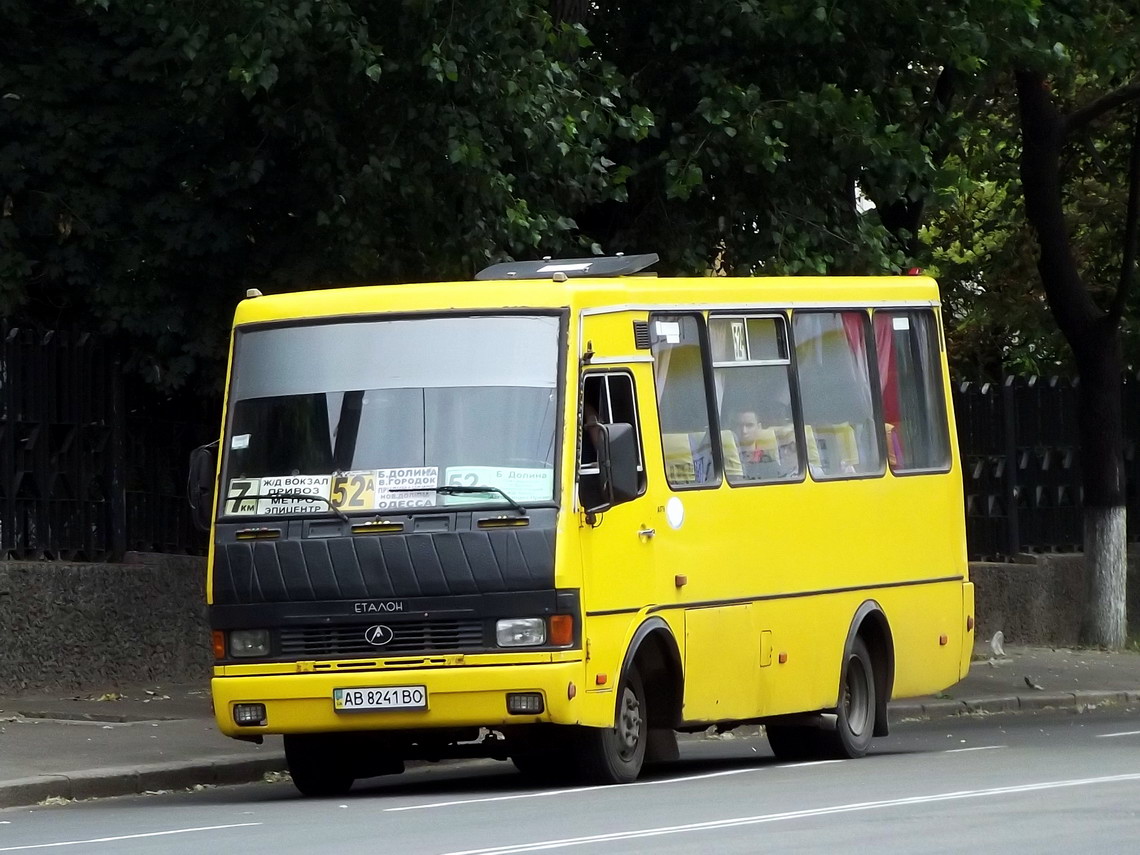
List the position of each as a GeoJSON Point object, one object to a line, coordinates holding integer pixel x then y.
{"type": "Point", "coordinates": [354, 491]}
{"type": "Point", "coordinates": [414, 487]}
{"type": "Point", "coordinates": [285, 491]}
{"type": "Point", "coordinates": [240, 441]}
{"type": "Point", "coordinates": [361, 490]}
{"type": "Point", "coordinates": [522, 485]}
{"type": "Point", "coordinates": [277, 496]}
{"type": "Point", "coordinates": [669, 332]}
{"type": "Point", "coordinates": [239, 488]}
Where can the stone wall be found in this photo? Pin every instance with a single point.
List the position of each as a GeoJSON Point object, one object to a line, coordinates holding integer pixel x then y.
{"type": "Point", "coordinates": [1040, 599]}
{"type": "Point", "coordinates": [89, 626]}
{"type": "Point", "coordinates": [79, 627]}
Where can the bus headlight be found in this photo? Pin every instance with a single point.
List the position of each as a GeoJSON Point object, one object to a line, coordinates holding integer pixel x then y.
{"type": "Point", "coordinates": [249, 642]}
{"type": "Point", "coordinates": [520, 632]}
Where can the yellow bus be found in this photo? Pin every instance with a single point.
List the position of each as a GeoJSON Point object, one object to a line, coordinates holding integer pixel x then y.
{"type": "Point", "coordinates": [564, 511]}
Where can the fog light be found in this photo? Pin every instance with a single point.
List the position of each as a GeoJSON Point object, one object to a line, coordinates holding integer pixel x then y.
{"type": "Point", "coordinates": [520, 632]}
{"type": "Point", "coordinates": [250, 715]}
{"type": "Point", "coordinates": [524, 703]}
{"type": "Point", "coordinates": [249, 642]}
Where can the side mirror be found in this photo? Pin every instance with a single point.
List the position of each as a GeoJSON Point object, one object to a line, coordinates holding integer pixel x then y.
{"type": "Point", "coordinates": [616, 445]}
{"type": "Point", "coordinates": [200, 484]}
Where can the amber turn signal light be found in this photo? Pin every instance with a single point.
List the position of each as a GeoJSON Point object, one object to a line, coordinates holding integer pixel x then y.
{"type": "Point", "coordinates": [219, 640]}
{"type": "Point", "coordinates": [561, 630]}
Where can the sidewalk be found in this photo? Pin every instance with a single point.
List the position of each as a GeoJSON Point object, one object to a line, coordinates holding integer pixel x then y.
{"type": "Point", "coordinates": [134, 740]}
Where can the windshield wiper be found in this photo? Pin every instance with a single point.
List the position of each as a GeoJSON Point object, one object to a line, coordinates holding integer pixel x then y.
{"type": "Point", "coordinates": [461, 489]}
{"type": "Point", "coordinates": [291, 495]}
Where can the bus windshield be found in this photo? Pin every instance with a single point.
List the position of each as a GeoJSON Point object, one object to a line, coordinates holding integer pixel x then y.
{"type": "Point", "coordinates": [372, 415]}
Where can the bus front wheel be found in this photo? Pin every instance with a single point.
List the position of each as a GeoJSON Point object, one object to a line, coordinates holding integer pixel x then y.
{"type": "Point", "coordinates": [614, 755]}
{"type": "Point", "coordinates": [317, 766]}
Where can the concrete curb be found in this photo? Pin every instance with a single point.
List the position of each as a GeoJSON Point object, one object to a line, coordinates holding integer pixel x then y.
{"type": "Point", "coordinates": [1081, 701]}
{"type": "Point", "coordinates": [242, 769]}
{"type": "Point", "coordinates": [131, 780]}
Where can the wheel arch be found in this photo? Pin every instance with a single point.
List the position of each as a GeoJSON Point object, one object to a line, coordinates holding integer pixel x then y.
{"type": "Point", "coordinates": [870, 623]}
{"type": "Point", "coordinates": [654, 652]}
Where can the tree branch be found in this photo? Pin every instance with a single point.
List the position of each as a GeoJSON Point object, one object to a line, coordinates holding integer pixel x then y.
{"type": "Point", "coordinates": [1095, 109]}
{"type": "Point", "coordinates": [1042, 143]}
{"type": "Point", "coordinates": [1131, 227]}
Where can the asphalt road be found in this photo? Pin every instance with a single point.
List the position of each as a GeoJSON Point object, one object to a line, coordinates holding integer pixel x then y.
{"type": "Point", "coordinates": [1030, 783]}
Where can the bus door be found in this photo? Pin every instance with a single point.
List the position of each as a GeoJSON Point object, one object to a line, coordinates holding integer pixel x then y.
{"type": "Point", "coordinates": [618, 543]}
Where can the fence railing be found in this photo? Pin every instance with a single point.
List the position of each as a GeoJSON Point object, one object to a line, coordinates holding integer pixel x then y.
{"type": "Point", "coordinates": [91, 463]}
{"type": "Point", "coordinates": [1021, 464]}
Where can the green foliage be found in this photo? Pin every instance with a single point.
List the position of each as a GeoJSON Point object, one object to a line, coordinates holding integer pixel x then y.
{"type": "Point", "coordinates": [982, 249]}
{"type": "Point", "coordinates": [158, 158]}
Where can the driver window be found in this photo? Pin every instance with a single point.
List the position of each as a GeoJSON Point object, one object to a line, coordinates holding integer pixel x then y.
{"type": "Point", "coordinates": [606, 399]}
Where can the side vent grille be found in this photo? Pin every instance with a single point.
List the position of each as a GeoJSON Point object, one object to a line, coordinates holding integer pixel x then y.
{"type": "Point", "coordinates": [641, 335]}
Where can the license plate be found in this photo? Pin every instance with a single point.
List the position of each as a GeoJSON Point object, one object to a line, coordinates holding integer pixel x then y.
{"type": "Point", "coordinates": [386, 698]}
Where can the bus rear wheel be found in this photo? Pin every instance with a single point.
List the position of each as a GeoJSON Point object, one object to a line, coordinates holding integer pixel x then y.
{"type": "Point", "coordinates": [317, 766]}
{"type": "Point", "coordinates": [615, 755]}
{"type": "Point", "coordinates": [855, 715]}
{"type": "Point", "coordinates": [793, 742]}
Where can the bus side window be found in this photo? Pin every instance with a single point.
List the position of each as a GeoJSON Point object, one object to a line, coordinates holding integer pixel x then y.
{"type": "Point", "coordinates": [834, 367]}
{"type": "Point", "coordinates": [910, 378]}
{"type": "Point", "coordinates": [683, 401]}
{"type": "Point", "coordinates": [606, 399]}
{"type": "Point", "coordinates": [752, 378]}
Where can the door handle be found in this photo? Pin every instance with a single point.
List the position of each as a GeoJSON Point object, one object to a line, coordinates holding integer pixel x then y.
{"type": "Point", "coordinates": [646, 532]}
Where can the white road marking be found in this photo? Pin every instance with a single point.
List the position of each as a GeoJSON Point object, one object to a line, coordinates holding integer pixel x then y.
{"type": "Point", "coordinates": [125, 837]}
{"type": "Point", "coordinates": [544, 793]}
{"type": "Point", "coordinates": [798, 814]}
{"type": "Point", "coordinates": [1122, 733]}
{"type": "Point", "coordinates": [975, 748]}
{"type": "Point", "coordinates": [540, 794]}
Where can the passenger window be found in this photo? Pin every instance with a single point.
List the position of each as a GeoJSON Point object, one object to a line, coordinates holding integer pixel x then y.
{"type": "Point", "coordinates": [910, 378]}
{"type": "Point", "coordinates": [606, 399]}
{"type": "Point", "coordinates": [682, 401]}
{"type": "Point", "coordinates": [751, 373]}
{"type": "Point", "coordinates": [834, 365]}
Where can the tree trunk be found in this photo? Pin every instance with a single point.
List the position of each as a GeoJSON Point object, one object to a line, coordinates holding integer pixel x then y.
{"type": "Point", "coordinates": [1100, 422]}
{"type": "Point", "coordinates": [1094, 336]}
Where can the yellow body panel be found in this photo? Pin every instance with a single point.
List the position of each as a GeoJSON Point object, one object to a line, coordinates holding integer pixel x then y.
{"type": "Point", "coordinates": [457, 697]}
{"type": "Point", "coordinates": [758, 585]}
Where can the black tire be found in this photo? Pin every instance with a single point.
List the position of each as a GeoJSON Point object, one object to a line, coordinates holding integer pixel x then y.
{"type": "Point", "coordinates": [855, 715]}
{"type": "Point", "coordinates": [793, 742]}
{"type": "Point", "coordinates": [544, 754]}
{"type": "Point", "coordinates": [318, 769]}
{"type": "Point", "coordinates": [615, 755]}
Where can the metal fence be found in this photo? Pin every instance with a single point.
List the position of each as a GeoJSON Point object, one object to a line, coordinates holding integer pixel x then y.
{"type": "Point", "coordinates": [1021, 464]}
{"type": "Point", "coordinates": [92, 463]}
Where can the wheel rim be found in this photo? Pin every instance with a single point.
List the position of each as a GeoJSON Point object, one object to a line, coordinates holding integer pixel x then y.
{"type": "Point", "coordinates": [628, 728]}
{"type": "Point", "coordinates": [856, 695]}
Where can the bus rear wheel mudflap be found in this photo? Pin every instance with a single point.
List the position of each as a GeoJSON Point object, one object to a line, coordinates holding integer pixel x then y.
{"type": "Point", "coordinates": [615, 755]}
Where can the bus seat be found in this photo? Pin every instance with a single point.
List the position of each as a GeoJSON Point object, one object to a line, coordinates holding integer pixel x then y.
{"type": "Point", "coordinates": [733, 468]}
{"type": "Point", "coordinates": [786, 445]}
{"type": "Point", "coordinates": [837, 448]}
{"type": "Point", "coordinates": [678, 458]}
{"type": "Point", "coordinates": [688, 457]}
{"type": "Point", "coordinates": [894, 447]}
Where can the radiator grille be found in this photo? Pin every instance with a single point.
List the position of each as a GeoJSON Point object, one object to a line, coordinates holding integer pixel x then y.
{"type": "Point", "coordinates": [437, 636]}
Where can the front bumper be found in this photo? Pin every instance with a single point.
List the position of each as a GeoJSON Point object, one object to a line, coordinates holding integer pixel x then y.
{"type": "Point", "coordinates": [471, 696]}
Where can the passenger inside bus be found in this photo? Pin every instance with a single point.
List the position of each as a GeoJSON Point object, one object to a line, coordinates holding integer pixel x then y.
{"type": "Point", "coordinates": [759, 452]}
